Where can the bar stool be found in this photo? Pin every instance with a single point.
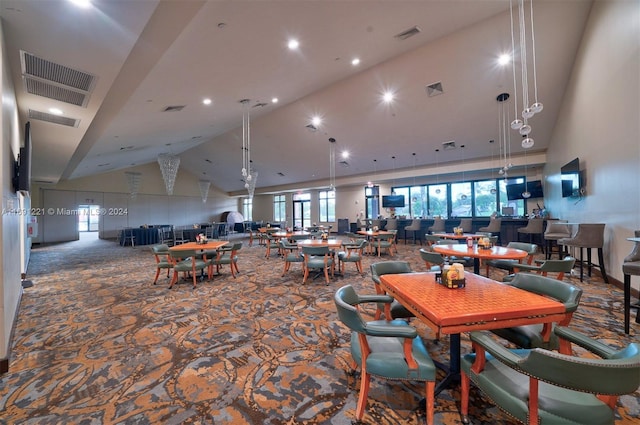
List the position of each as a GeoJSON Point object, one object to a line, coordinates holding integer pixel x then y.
{"type": "Point", "coordinates": [533, 228]}
{"type": "Point", "coordinates": [466, 224]}
{"type": "Point", "coordinates": [413, 227]}
{"type": "Point", "coordinates": [631, 266]}
{"type": "Point", "coordinates": [555, 231]}
{"type": "Point", "coordinates": [589, 236]}
{"type": "Point", "coordinates": [494, 227]}
{"type": "Point", "coordinates": [437, 227]}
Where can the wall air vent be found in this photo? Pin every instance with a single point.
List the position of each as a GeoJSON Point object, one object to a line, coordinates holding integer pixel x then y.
{"type": "Point", "coordinates": [434, 89]}
{"type": "Point", "coordinates": [447, 146]}
{"type": "Point", "coordinates": [55, 119]}
{"type": "Point", "coordinates": [176, 108]}
{"type": "Point", "coordinates": [407, 33]}
{"type": "Point", "coordinates": [54, 81]}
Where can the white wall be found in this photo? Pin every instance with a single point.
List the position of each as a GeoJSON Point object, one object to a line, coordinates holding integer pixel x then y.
{"type": "Point", "coordinates": [10, 257]}
{"type": "Point", "coordinates": [600, 123]}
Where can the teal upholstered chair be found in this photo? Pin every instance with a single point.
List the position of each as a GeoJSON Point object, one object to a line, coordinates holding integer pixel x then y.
{"type": "Point", "coordinates": [291, 254]}
{"type": "Point", "coordinates": [353, 253]}
{"type": "Point", "coordinates": [431, 259]}
{"type": "Point", "coordinates": [385, 349]}
{"type": "Point", "coordinates": [318, 258]}
{"type": "Point", "coordinates": [396, 310]}
{"type": "Point", "coordinates": [384, 241]}
{"type": "Point", "coordinates": [530, 336]}
{"type": "Point", "coordinates": [504, 264]}
{"type": "Point", "coordinates": [227, 254]}
{"type": "Point", "coordinates": [548, 388]}
{"type": "Point", "coordinates": [161, 254]}
{"type": "Point", "coordinates": [271, 243]}
{"type": "Point", "coordinates": [559, 267]}
{"type": "Point", "coordinates": [186, 261]}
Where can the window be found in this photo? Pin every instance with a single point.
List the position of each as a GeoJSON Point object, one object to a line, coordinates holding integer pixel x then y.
{"type": "Point", "coordinates": [327, 202]}
{"type": "Point", "coordinates": [486, 201]}
{"type": "Point", "coordinates": [438, 200]}
{"type": "Point", "coordinates": [406, 210]}
{"type": "Point", "coordinates": [517, 205]}
{"type": "Point", "coordinates": [372, 201]}
{"type": "Point", "coordinates": [279, 208]}
{"type": "Point", "coordinates": [247, 209]}
{"type": "Point", "coordinates": [461, 199]}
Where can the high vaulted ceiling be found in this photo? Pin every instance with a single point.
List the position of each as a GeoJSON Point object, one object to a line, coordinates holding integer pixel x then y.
{"type": "Point", "coordinates": [143, 57]}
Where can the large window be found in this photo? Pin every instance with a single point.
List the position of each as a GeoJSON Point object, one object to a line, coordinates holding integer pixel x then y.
{"type": "Point", "coordinates": [372, 198]}
{"type": "Point", "coordinates": [327, 202]}
{"type": "Point", "coordinates": [279, 208]}
{"type": "Point", "coordinates": [479, 198]}
{"type": "Point", "coordinates": [247, 208]}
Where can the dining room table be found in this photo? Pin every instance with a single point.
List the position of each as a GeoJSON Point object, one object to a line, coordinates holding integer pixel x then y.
{"type": "Point", "coordinates": [478, 252]}
{"type": "Point", "coordinates": [481, 304]}
{"type": "Point", "coordinates": [371, 236]}
{"type": "Point", "coordinates": [459, 236]}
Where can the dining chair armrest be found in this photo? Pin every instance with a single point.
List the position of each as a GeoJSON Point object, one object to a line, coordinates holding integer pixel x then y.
{"type": "Point", "coordinates": [507, 356]}
{"type": "Point", "coordinates": [596, 347]}
{"type": "Point", "coordinates": [374, 298]}
{"type": "Point", "coordinates": [389, 330]}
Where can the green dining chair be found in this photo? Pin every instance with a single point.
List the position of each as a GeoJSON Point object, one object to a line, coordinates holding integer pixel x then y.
{"type": "Point", "coordinates": [227, 254]}
{"type": "Point", "coordinates": [291, 254]}
{"type": "Point", "coordinates": [353, 253]}
{"type": "Point", "coordinates": [396, 310]}
{"type": "Point", "coordinates": [318, 258]}
{"type": "Point", "coordinates": [385, 349]}
{"type": "Point", "coordinates": [542, 387]}
{"type": "Point", "coordinates": [505, 264]}
{"type": "Point", "coordinates": [186, 261]}
{"type": "Point", "coordinates": [531, 336]}
{"type": "Point", "coordinates": [161, 255]}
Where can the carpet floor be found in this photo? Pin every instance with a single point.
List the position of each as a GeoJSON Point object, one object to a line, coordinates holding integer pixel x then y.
{"type": "Point", "coordinates": [97, 343]}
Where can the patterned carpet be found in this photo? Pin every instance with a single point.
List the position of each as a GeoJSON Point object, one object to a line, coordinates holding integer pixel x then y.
{"type": "Point", "coordinates": [97, 343]}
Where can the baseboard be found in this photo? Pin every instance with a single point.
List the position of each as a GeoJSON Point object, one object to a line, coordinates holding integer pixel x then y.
{"type": "Point", "coordinates": [4, 362]}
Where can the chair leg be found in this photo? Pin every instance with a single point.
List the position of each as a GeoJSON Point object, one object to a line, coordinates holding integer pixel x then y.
{"type": "Point", "coordinates": [157, 274]}
{"type": "Point", "coordinates": [174, 279]}
{"type": "Point", "coordinates": [601, 261]}
{"type": "Point", "coordinates": [365, 381]}
{"type": "Point", "coordinates": [627, 302]}
{"type": "Point", "coordinates": [430, 399]}
{"type": "Point", "coordinates": [464, 393]}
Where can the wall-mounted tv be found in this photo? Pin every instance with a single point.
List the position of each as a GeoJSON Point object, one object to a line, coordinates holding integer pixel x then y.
{"type": "Point", "coordinates": [22, 177]}
{"type": "Point", "coordinates": [570, 177]}
{"type": "Point", "coordinates": [515, 190]}
{"type": "Point", "coordinates": [393, 201]}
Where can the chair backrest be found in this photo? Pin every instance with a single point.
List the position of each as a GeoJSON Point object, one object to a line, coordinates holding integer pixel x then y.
{"type": "Point", "coordinates": [530, 248]}
{"type": "Point", "coordinates": [431, 257]}
{"type": "Point", "coordinates": [178, 255]}
{"type": "Point", "coordinates": [392, 224]}
{"type": "Point", "coordinates": [415, 225]}
{"type": "Point", "coordinates": [315, 250]}
{"type": "Point", "coordinates": [388, 267]}
{"type": "Point", "coordinates": [589, 235]}
{"type": "Point", "coordinates": [634, 255]}
{"type": "Point", "coordinates": [563, 292]}
{"type": "Point", "coordinates": [558, 227]}
{"type": "Point", "coordinates": [160, 249]}
{"type": "Point", "coordinates": [466, 224]}
{"type": "Point", "coordinates": [558, 266]}
{"type": "Point", "coordinates": [438, 225]}
{"type": "Point", "coordinates": [535, 225]}
{"type": "Point", "coordinates": [345, 299]}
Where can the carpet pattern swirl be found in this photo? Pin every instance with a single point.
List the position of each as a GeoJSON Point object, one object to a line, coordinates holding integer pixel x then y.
{"type": "Point", "coordinates": [97, 343]}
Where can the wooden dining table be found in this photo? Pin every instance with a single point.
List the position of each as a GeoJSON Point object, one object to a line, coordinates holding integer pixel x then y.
{"type": "Point", "coordinates": [210, 245]}
{"type": "Point", "coordinates": [371, 236]}
{"type": "Point", "coordinates": [482, 304]}
{"type": "Point", "coordinates": [459, 236]}
{"type": "Point", "coordinates": [478, 253]}
{"type": "Point", "coordinates": [331, 243]}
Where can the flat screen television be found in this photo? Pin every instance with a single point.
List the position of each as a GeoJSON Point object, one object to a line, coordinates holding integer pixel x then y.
{"type": "Point", "coordinates": [570, 177]}
{"type": "Point", "coordinates": [515, 190]}
{"type": "Point", "coordinates": [393, 201]}
{"type": "Point", "coordinates": [22, 178]}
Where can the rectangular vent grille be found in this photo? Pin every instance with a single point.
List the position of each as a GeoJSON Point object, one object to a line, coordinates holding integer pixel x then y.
{"type": "Point", "coordinates": [434, 89]}
{"type": "Point", "coordinates": [51, 91]}
{"type": "Point", "coordinates": [408, 33]}
{"type": "Point", "coordinates": [46, 70]}
{"type": "Point", "coordinates": [55, 119]}
{"type": "Point", "coordinates": [448, 145]}
{"type": "Point", "coordinates": [173, 108]}
{"type": "Point", "coordinates": [344, 163]}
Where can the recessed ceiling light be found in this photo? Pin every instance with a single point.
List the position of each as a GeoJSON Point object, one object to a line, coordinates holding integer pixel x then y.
{"type": "Point", "coordinates": [274, 100]}
{"type": "Point", "coordinates": [55, 111]}
{"type": "Point", "coordinates": [355, 61]}
{"type": "Point", "coordinates": [388, 96]}
{"type": "Point", "coordinates": [345, 154]}
{"type": "Point", "coordinates": [316, 121]}
{"type": "Point", "coordinates": [206, 101]}
{"type": "Point", "coordinates": [504, 59]}
{"type": "Point", "coordinates": [85, 4]}
{"type": "Point", "coordinates": [293, 44]}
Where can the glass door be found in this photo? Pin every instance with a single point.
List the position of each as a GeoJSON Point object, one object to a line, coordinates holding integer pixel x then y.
{"type": "Point", "coordinates": [302, 210]}
{"type": "Point", "coordinates": [88, 218]}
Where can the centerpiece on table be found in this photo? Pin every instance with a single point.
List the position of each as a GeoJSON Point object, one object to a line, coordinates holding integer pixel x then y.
{"type": "Point", "coordinates": [201, 239]}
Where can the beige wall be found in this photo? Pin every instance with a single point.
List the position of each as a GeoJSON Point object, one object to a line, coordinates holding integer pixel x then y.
{"type": "Point", "coordinates": [600, 123]}
{"type": "Point", "coordinates": [10, 259]}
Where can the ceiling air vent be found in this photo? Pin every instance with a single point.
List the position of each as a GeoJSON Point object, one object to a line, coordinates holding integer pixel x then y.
{"type": "Point", "coordinates": [281, 174]}
{"type": "Point", "coordinates": [344, 164]}
{"type": "Point", "coordinates": [434, 89]}
{"type": "Point", "coordinates": [447, 146]}
{"type": "Point", "coordinates": [176, 108]}
{"type": "Point", "coordinates": [407, 33]}
{"type": "Point", "coordinates": [55, 119]}
{"type": "Point", "coordinates": [55, 81]}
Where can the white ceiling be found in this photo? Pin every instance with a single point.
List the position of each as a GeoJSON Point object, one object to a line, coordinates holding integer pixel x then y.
{"type": "Point", "coordinates": [148, 55]}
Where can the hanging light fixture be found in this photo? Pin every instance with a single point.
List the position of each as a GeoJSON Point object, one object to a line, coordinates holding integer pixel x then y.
{"type": "Point", "coordinates": [526, 194]}
{"type": "Point", "coordinates": [133, 182]}
{"type": "Point", "coordinates": [375, 173]}
{"type": "Point", "coordinates": [437, 172]}
{"type": "Point", "coordinates": [204, 189]}
{"type": "Point", "coordinates": [169, 167]}
{"type": "Point", "coordinates": [503, 134]}
{"type": "Point", "coordinates": [332, 163]}
{"type": "Point", "coordinates": [463, 196]}
{"type": "Point", "coordinates": [528, 110]}
{"type": "Point", "coordinates": [393, 183]}
{"type": "Point", "coordinates": [249, 176]}
{"type": "Point", "coordinates": [493, 190]}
